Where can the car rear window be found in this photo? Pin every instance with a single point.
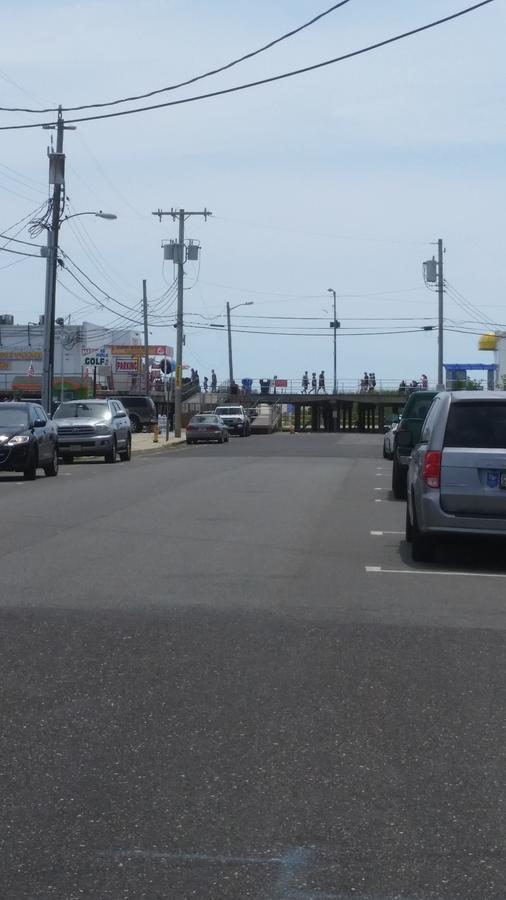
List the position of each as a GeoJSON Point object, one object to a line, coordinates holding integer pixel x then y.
{"type": "Point", "coordinates": [476, 424]}
{"type": "Point", "coordinates": [420, 408]}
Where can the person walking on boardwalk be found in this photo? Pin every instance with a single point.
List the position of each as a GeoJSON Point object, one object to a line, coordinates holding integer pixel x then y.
{"type": "Point", "coordinates": [214, 381]}
{"type": "Point", "coordinates": [321, 382]}
{"type": "Point", "coordinates": [313, 383]}
{"type": "Point", "coordinates": [305, 382]}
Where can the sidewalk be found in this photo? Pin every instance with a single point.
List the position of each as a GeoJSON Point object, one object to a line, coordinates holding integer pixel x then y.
{"type": "Point", "coordinates": [142, 442]}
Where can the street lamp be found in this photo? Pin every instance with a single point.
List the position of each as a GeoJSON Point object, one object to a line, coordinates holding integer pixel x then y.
{"type": "Point", "coordinates": [51, 254]}
{"type": "Point", "coordinates": [335, 325]}
{"type": "Point", "coordinates": [230, 365]}
{"type": "Point", "coordinates": [99, 215]}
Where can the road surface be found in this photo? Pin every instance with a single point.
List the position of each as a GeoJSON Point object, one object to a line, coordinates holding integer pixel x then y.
{"type": "Point", "coordinates": [223, 678]}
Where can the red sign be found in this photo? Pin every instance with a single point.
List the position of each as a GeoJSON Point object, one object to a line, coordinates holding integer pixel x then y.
{"type": "Point", "coordinates": [127, 365]}
{"type": "Point", "coordinates": [280, 382]}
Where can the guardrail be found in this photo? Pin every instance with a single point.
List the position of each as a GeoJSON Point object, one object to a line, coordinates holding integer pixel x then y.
{"type": "Point", "coordinates": [259, 387]}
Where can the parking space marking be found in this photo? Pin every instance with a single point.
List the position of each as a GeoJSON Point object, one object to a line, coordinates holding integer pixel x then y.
{"type": "Point", "coordinates": [381, 489]}
{"type": "Point", "coordinates": [380, 570]}
{"type": "Point", "coordinates": [378, 500]}
{"type": "Point", "coordinates": [378, 533]}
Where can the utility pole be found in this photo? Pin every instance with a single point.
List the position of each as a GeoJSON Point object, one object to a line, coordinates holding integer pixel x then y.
{"type": "Point", "coordinates": [178, 253]}
{"type": "Point", "coordinates": [433, 275]}
{"type": "Point", "coordinates": [57, 179]}
{"type": "Point", "coordinates": [230, 364]}
{"type": "Point", "coordinates": [146, 338]}
{"type": "Point", "coordinates": [440, 291]}
{"type": "Point", "coordinates": [335, 325]}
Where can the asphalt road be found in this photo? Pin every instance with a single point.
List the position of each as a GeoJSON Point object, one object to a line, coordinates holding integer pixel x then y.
{"type": "Point", "coordinates": [223, 678]}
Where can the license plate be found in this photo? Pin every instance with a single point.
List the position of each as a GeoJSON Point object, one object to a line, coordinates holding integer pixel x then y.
{"type": "Point", "coordinates": [503, 481]}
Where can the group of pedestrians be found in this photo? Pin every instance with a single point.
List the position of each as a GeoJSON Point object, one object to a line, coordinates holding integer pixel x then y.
{"type": "Point", "coordinates": [422, 384]}
{"type": "Point", "coordinates": [317, 383]}
{"type": "Point", "coordinates": [367, 382]}
{"type": "Point", "coordinates": [214, 382]}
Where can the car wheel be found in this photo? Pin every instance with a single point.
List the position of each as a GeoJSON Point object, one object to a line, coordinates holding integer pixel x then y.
{"type": "Point", "coordinates": [221, 439]}
{"type": "Point", "coordinates": [67, 458]}
{"type": "Point", "coordinates": [409, 526]}
{"type": "Point", "coordinates": [189, 441]}
{"type": "Point", "coordinates": [51, 470]}
{"type": "Point", "coordinates": [30, 470]}
{"type": "Point", "coordinates": [399, 481]}
{"type": "Point", "coordinates": [422, 546]}
{"type": "Point", "coordinates": [111, 456]}
{"type": "Point", "coordinates": [135, 423]}
{"type": "Point", "coordinates": [385, 454]}
{"type": "Point", "coordinates": [126, 455]}
{"type": "Point", "coordinates": [227, 437]}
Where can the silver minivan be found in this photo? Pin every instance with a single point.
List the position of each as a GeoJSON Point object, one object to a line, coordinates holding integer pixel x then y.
{"type": "Point", "coordinates": [457, 472]}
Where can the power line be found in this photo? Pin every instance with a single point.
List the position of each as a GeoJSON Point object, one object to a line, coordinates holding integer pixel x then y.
{"type": "Point", "coordinates": [307, 334]}
{"type": "Point", "coordinates": [14, 263]}
{"type": "Point", "coordinates": [262, 81]}
{"type": "Point", "coordinates": [174, 87]}
{"type": "Point", "coordinates": [19, 241]}
{"type": "Point", "coordinates": [19, 252]}
{"type": "Point", "coordinates": [95, 285]}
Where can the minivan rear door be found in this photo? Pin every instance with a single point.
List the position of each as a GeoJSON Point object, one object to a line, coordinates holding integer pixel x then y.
{"type": "Point", "coordinates": [473, 465]}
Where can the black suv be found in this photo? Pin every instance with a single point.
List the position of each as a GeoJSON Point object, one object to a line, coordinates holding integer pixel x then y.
{"type": "Point", "coordinates": [28, 439]}
{"type": "Point", "coordinates": [141, 412]}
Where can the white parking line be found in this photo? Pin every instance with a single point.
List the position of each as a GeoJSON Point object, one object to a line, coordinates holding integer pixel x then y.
{"type": "Point", "coordinates": [378, 533]}
{"type": "Point", "coordinates": [378, 500]}
{"type": "Point", "coordinates": [375, 570]}
{"type": "Point", "coordinates": [381, 489]}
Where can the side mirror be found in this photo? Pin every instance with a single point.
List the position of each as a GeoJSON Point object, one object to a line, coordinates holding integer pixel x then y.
{"type": "Point", "coordinates": [119, 415]}
{"type": "Point", "coordinates": [39, 423]}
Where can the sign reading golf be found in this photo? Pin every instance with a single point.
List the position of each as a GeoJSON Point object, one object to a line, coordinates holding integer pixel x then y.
{"type": "Point", "coordinates": [95, 356]}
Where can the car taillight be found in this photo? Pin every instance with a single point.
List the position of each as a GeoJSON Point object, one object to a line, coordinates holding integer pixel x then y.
{"type": "Point", "coordinates": [190, 427]}
{"type": "Point", "coordinates": [432, 468]}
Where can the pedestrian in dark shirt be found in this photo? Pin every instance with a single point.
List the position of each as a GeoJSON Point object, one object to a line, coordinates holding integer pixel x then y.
{"type": "Point", "coordinates": [213, 381]}
{"type": "Point", "coordinates": [313, 383]}
{"type": "Point", "coordinates": [321, 382]}
{"type": "Point", "coordinates": [305, 382]}
{"type": "Point", "coordinates": [206, 384]}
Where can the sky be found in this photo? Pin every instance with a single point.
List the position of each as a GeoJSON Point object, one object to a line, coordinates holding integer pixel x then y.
{"type": "Point", "coordinates": [341, 178]}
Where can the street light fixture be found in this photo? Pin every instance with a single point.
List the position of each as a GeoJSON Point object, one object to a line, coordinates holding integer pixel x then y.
{"type": "Point", "coordinates": [51, 254]}
{"type": "Point", "coordinates": [230, 365]}
{"type": "Point", "coordinates": [99, 215]}
{"type": "Point", "coordinates": [335, 325]}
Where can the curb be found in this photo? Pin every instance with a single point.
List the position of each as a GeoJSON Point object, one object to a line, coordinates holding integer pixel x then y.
{"type": "Point", "coordinates": [161, 446]}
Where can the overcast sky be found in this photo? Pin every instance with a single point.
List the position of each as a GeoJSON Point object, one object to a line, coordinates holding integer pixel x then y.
{"type": "Point", "coordinates": [338, 178]}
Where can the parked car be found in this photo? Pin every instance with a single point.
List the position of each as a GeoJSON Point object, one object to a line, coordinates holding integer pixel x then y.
{"type": "Point", "coordinates": [141, 412]}
{"type": "Point", "coordinates": [457, 474]}
{"type": "Point", "coordinates": [388, 439]}
{"type": "Point", "coordinates": [235, 418]}
{"type": "Point", "coordinates": [28, 440]}
{"type": "Point", "coordinates": [206, 427]}
{"type": "Point", "coordinates": [413, 416]}
{"type": "Point", "coordinates": [93, 428]}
